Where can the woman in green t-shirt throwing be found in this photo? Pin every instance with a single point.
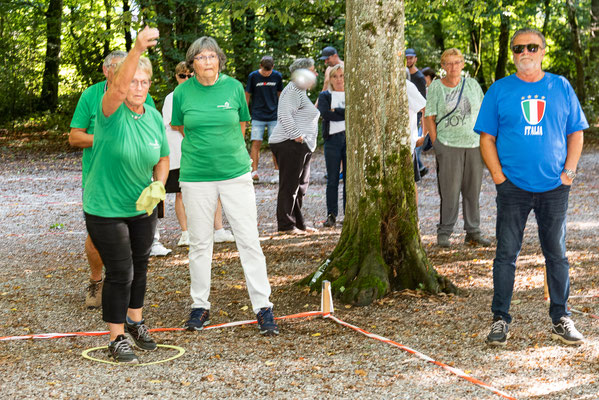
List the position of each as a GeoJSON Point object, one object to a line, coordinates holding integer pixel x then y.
{"type": "Point", "coordinates": [452, 105]}
{"type": "Point", "coordinates": [211, 112]}
{"type": "Point", "coordinates": [130, 146]}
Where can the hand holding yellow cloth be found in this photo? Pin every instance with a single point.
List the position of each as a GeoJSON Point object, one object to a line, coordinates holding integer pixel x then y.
{"type": "Point", "coordinates": [150, 197]}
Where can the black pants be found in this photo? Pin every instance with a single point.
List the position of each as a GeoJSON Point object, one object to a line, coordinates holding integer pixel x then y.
{"type": "Point", "coordinates": [294, 175]}
{"type": "Point", "coordinates": [124, 245]}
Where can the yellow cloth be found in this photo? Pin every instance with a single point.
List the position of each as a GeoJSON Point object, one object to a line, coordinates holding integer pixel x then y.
{"type": "Point", "coordinates": [150, 197]}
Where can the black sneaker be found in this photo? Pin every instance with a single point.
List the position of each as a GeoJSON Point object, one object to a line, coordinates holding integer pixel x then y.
{"type": "Point", "coordinates": [197, 319]}
{"type": "Point", "coordinates": [500, 331]}
{"type": "Point", "coordinates": [476, 239]}
{"type": "Point", "coordinates": [565, 331]}
{"type": "Point", "coordinates": [120, 350]}
{"type": "Point", "coordinates": [140, 335]}
{"type": "Point", "coordinates": [330, 222]}
{"type": "Point", "coordinates": [266, 322]}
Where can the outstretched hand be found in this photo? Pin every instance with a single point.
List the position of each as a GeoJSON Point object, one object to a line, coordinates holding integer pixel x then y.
{"type": "Point", "coordinates": [146, 38]}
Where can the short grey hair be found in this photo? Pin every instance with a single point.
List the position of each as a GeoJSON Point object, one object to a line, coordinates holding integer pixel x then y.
{"type": "Point", "coordinates": [202, 44]}
{"type": "Point", "coordinates": [115, 54]}
{"type": "Point", "coordinates": [301, 63]}
{"type": "Point", "coordinates": [143, 64]}
{"type": "Point", "coordinates": [528, 30]}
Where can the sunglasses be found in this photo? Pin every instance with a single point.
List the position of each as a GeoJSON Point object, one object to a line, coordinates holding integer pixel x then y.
{"type": "Point", "coordinates": [184, 76]}
{"type": "Point", "coordinates": [531, 47]}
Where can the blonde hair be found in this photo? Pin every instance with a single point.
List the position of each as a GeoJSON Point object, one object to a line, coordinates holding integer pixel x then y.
{"type": "Point", "coordinates": [331, 72]}
{"type": "Point", "coordinates": [144, 64]}
{"type": "Point", "coordinates": [451, 52]}
{"type": "Point", "coordinates": [181, 68]}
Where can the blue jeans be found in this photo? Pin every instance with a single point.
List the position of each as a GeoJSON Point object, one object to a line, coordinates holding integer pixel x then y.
{"type": "Point", "coordinates": [513, 207]}
{"type": "Point", "coordinates": [334, 156]}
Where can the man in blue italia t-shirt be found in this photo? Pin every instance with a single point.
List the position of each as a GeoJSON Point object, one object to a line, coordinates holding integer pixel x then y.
{"type": "Point", "coordinates": [531, 139]}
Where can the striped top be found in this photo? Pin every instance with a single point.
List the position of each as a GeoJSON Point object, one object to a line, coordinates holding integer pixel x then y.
{"type": "Point", "coordinates": [296, 117]}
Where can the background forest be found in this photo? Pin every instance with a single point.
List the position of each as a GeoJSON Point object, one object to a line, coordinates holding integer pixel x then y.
{"type": "Point", "coordinates": [51, 50]}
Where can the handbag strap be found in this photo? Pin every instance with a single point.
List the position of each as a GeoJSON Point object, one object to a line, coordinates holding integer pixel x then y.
{"type": "Point", "coordinates": [456, 104]}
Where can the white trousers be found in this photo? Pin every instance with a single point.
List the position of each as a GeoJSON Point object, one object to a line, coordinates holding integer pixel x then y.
{"type": "Point", "coordinates": [239, 204]}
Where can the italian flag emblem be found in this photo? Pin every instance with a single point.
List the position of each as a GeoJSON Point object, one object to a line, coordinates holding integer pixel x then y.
{"type": "Point", "coordinates": [533, 110]}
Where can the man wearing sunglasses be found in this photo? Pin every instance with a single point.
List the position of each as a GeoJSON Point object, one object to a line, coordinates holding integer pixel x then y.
{"type": "Point", "coordinates": [531, 127]}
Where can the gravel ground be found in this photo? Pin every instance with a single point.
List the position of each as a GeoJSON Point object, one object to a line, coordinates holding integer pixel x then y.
{"type": "Point", "coordinates": [43, 274]}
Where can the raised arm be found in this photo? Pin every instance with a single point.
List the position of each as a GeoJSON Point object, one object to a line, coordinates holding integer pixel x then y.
{"type": "Point", "coordinates": [117, 91]}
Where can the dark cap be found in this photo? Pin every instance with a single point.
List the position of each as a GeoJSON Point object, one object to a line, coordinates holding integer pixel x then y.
{"type": "Point", "coordinates": [327, 52]}
{"type": "Point", "coordinates": [411, 52]}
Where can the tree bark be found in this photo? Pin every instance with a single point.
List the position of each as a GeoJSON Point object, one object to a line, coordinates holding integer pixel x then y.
{"type": "Point", "coordinates": [128, 39]}
{"type": "Point", "coordinates": [108, 28]}
{"type": "Point", "coordinates": [242, 34]}
{"type": "Point", "coordinates": [438, 34]}
{"type": "Point", "coordinates": [594, 43]}
{"type": "Point", "coordinates": [504, 41]}
{"type": "Point", "coordinates": [380, 248]}
{"type": "Point", "coordinates": [577, 48]}
{"type": "Point", "coordinates": [49, 96]}
{"type": "Point", "coordinates": [475, 49]}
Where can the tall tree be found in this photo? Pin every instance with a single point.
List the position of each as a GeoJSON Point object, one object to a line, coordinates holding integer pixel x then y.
{"type": "Point", "coordinates": [127, 24]}
{"type": "Point", "coordinates": [243, 27]}
{"type": "Point", "coordinates": [504, 40]}
{"type": "Point", "coordinates": [380, 248]}
{"type": "Point", "coordinates": [577, 48]}
{"type": "Point", "coordinates": [49, 96]}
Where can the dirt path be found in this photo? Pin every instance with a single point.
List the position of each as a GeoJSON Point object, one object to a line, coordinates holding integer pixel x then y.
{"type": "Point", "coordinates": [43, 273]}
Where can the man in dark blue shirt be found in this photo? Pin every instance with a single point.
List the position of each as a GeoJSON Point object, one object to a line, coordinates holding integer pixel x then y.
{"type": "Point", "coordinates": [263, 88]}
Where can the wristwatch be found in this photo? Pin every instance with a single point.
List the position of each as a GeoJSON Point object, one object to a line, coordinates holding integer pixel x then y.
{"type": "Point", "coordinates": [570, 174]}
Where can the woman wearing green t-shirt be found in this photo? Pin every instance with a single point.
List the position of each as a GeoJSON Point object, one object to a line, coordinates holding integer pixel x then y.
{"type": "Point", "coordinates": [452, 106]}
{"type": "Point", "coordinates": [211, 112]}
{"type": "Point", "coordinates": [129, 146]}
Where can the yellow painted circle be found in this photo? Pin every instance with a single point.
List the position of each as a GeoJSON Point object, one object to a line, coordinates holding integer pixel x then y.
{"type": "Point", "coordinates": [181, 351]}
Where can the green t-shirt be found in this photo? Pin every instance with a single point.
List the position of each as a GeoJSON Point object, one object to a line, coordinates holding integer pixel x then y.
{"type": "Point", "coordinates": [125, 152]}
{"type": "Point", "coordinates": [457, 130]}
{"type": "Point", "coordinates": [213, 148]}
{"type": "Point", "coordinates": [85, 118]}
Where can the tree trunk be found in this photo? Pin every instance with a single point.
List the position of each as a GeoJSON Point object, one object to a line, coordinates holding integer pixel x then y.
{"type": "Point", "coordinates": [577, 48]}
{"type": "Point", "coordinates": [438, 34]}
{"type": "Point", "coordinates": [49, 96]}
{"type": "Point", "coordinates": [380, 248]}
{"type": "Point", "coordinates": [547, 7]}
{"type": "Point", "coordinates": [475, 49]}
{"type": "Point", "coordinates": [593, 60]}
{"type": "Point", "coordinates": [504, 41]}
{"type": "Point", "coordinates": [108, 27]}
{"type": "Point", "coordinates": [170, 57]}
{"type": "Point", "coordinates": [128, 39]}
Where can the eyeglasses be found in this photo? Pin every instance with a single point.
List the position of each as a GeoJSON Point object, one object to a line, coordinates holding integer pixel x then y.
{"type": "Point", "coordinates": [452, 64]}
{"type": "Point", "coordinates": [135, 84]}
{"type": "Point", "coordinates": [531, 47]}
{"type": "Point", "coordinates": [184, 76]}
{"type": "Point", "coordinates": [204, 59]}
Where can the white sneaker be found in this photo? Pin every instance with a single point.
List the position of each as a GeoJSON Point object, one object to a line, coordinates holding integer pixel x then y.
{"type": "Point", "coordinates": [223, 235]}
{"type": "Point", "coordinates": [158, 250]}
{"type": "Point", "coordinates": [275, 179]}
{"type": "Point", "coordinates": [184, 240]}
{"type": "Point", "coordinates": [255, 176]}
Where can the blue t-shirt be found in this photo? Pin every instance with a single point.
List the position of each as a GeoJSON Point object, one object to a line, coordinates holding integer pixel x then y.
{"type": "Point", "coordinates": [531, 122]}
{"type": "Point", "coordinates": [265, 94]}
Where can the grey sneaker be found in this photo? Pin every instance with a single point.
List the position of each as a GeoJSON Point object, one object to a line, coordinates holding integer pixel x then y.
{"type": "Point", "coordinates": [443, 240]}
{"type": "Point", "coordinates": [330, 222]}
{"type": "Point", "coordinates": [93, 297]}
{"type": "Point", "coordinates": [140, 335]}
{"type": "Point", "coordinates": [476, 239]}
{"type": "Point", "coordinates": [565, 331]}
{"type": "Point", "coordinates": [120, 350]}
{"type": "Point", "coordinates": [500, 331]}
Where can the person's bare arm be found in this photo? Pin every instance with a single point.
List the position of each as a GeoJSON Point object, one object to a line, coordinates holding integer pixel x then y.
{"type": "Point", "coordinates": [247, 98]}
{"type": "Point", "coordinates": [575, 142]}
{"type": "Point", "coordinates": [179, 128]}
{"type": "Point", "coordinates": [80, 138]}
{"type": "Point", "coordinates": [161, 170]}
{"type": "Point", "coordinates": [117, 91]}
{"type": "Point", "coordinates": [488, 150]}
{"type": "Point", "coordinates": [431, 127]}
{"type": "Point", "coordinates": [243, 125]}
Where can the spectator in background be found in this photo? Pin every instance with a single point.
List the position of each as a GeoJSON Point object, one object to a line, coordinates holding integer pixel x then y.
{"type": "Point", "coordinates": [292, 142]}
{"type": "Point", "coordinates": [182, 73]}
{"type": "Point", "coordinates": [331, 104]}
{"type": "Point", "coordinates": [331, 58]}
{"type": "Point", "coordinates": [263, 89]}
{"type": "Point", "coordinates": [429, 76]}
{"type": "Point", "coordinates": [417, 78]}
{"type": "Point", "coordinates": [451, 109]}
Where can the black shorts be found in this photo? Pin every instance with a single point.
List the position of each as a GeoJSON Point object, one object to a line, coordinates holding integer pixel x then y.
{"type": "Point", "coordinates": [172, 182]}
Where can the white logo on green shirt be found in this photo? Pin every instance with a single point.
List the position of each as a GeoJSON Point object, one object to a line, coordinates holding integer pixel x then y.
{"type": "Point", "coordinates": [226, 106]}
